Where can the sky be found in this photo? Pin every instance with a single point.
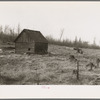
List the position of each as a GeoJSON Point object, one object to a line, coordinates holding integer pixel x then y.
{"type": "Point", "coordinates": [76, 18]}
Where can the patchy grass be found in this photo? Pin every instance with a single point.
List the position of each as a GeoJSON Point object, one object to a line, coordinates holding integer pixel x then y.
{"type": "Point", "coordinates": [50, 69]}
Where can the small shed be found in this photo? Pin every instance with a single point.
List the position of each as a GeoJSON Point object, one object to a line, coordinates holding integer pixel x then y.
{"type": "Point", "coordinates": [31, 41]}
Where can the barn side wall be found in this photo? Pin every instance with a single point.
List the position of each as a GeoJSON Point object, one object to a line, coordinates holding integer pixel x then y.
{"type": "Point", "coordinates": [41, 47]}
{"type": "Point", "coordinates": [22, 47]}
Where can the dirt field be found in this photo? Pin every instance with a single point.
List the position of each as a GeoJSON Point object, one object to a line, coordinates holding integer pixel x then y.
{"type": "Point", "coordinates": [50, 69]}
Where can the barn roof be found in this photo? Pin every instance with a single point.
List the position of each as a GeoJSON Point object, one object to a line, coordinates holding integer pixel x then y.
{"type": "Point", "coordinates": [33, 35]}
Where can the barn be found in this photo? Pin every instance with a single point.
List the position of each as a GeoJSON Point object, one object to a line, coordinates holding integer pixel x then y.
{"type": "Point", "coordinates": [30, 41]}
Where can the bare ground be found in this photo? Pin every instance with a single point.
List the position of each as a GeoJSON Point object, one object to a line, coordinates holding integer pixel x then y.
{"type": "Point", "coordinates": [50, 69]}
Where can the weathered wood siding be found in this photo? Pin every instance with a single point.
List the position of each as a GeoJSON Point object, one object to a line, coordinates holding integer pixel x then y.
{"type": "Point", "coordinates": [23, 47]}
{"type": "Point", "coordinates": [41, 47]}
{"type": "Point", "coordinates": [25, 44]}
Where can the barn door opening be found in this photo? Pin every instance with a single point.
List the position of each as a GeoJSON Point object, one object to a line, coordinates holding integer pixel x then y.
{"type": "Point", "coordinates": [29, 49]}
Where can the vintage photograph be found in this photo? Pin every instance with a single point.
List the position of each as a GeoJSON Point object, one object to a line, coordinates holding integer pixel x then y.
{"type": "Point", "coordinates": [49, 43]}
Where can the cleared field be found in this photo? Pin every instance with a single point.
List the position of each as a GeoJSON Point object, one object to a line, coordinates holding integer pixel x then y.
{"type": "Point", "coordinates": [50, 69]}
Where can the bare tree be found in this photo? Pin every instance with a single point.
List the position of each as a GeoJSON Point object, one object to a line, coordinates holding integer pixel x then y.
{"type": "Point", "coordinates": [62, 31]}
{"type": "Point", "coordinates": [18, 29]}
{"type": "Point", "coordinates": [6, 29]}
{"type": "Point", "coordinates": [12, 35]}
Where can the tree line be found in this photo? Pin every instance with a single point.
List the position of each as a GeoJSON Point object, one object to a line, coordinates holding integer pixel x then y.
{"type": "Point", "coordinates": [75, 43]}
{"type": "Point", "coordinates": [8, 34]}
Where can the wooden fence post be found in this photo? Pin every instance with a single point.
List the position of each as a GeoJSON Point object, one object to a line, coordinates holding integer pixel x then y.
{"type": "Point", "coordinates": [37, 74]}
{"type": "Point", "coordinates": [38, 81]}
{"type": "Point", "coordinates": [77, 70]}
